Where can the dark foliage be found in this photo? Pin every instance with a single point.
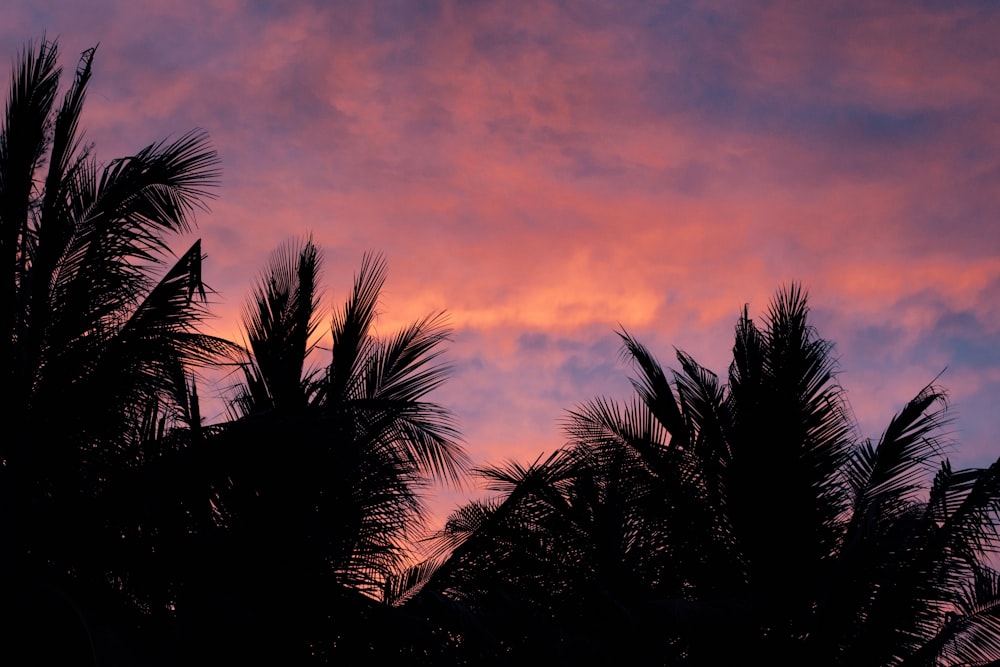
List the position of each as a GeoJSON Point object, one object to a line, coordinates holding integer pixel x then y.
{"type": "Point", "coordinates": [707, 524]}
{"type": "Point", "coordinates": [97, 357]}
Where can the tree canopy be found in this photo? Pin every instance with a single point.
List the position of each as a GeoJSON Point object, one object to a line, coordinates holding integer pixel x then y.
{"type": "Point", "coordinates": [750, 511]}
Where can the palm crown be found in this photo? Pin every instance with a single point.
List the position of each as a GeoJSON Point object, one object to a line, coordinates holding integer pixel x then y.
{"type": "Point", "coordinates": [316, 479]}
{"type": "Point", "coordinates": [100, 340]}
{"type": "Point", "coordinates": [363, 417]}
{"type": "Point", "coordinates": [750, 506]}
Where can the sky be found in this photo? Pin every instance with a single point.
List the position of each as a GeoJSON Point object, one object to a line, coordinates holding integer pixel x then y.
{"type": "Point", "coordinates": [550, 172]}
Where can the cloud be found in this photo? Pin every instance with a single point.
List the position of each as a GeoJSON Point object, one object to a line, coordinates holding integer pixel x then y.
{"type": "Point", "coordinates": [550, 171]}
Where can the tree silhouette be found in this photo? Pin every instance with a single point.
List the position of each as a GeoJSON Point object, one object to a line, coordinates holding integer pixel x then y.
{"type": "Point", "coordinates": [96, 345]}
{"type": "Point", "coordinates": [705, 522]}
{"type": "Point", "coordinates": [316, 480]}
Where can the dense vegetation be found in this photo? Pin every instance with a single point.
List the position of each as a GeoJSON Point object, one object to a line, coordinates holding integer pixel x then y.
{"type": "Point", "coordinates": [700, 523]}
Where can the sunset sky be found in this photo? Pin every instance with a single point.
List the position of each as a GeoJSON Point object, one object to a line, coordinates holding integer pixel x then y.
{"type": "Point", "coordinates": [548, 172]}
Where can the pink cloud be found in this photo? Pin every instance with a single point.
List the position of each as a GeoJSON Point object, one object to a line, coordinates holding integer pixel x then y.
{"type": "Point", "coordinates": [538, 169]}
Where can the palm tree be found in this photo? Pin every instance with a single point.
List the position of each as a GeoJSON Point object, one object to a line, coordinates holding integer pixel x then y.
{"type": "Point", "coordinates": [93, 340]}
{"type": "Point", "coordinates": [317, 478]}
{"type": "Point", "coordinates": [721, 522]}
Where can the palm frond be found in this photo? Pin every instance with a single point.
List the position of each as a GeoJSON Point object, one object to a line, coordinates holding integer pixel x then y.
{"type": "Point", "coordinates": [24, 139]}
{"type": "Point", "coordinates": [401, 371]}
{"type": "Point", "coordinates": [969, 507]}
{"type": "Point", "coordinates": [351, 330]}
{"type": "Point", "coordinates": [654, 389]}
{"type": "Point", "coordinates": [705, 410]}
{"type": "Point", "coordinates": [23, 142]}
{"type": "Point", "coordinates": [400, 588]}
{"type": "Point", "coordinates": [159, 188]}
{"type": "Point", "coordinates": [602, 424]}
{"type": "Point", "coordinates": [500, 537]}
{"type": "Point", "coordinates": [512, 476]}
{"type": "Point", "coordinates": [893, 473]}
{"type": "Point", "coordinates": [102, 267]}
{"type": "Point", "coordinates": [280, 319]}
{"type": "Point", "coordinates": [54, 222]}
{"type": "Point", "coordinates": [138, 362]}
{"type": "Point", "coordinates": [969, 631]}
{"type": "Point", "coordinates": [402, 368]}
{"type": "Point", "coordinates": [972, 633]}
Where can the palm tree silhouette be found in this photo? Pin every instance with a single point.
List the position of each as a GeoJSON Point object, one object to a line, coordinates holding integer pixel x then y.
{"type": "Point", "coordinates": [317, 478]}
{"type": "Point", "coordinates": [95, 343]}
{"type": "Point", "coordinates": [705, 522]}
